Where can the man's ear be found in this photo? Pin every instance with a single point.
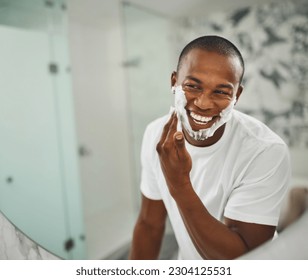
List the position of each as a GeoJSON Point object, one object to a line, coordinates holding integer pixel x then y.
{"type": "Point", "coordinates": [239, 92]}
{"type": "Point", "coordinates": [173, 78]}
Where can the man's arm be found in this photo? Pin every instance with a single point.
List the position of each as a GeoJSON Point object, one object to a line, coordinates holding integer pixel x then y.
{"type": "Point", "coordinates": [149, 230]}
{"type": "Point", "coordinates": [212, 239]}
{"type": "Point", "coordinates": [297, 204]}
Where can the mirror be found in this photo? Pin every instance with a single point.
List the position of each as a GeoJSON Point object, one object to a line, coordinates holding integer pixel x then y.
{"type": "Point", "coordinates": [40, 188]}
{"type": "Point", "coordinates": [79, 83]}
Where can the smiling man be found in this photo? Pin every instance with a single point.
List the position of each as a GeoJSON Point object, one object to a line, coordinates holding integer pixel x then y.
{"type": "Point", "coordinates": [218, 174]}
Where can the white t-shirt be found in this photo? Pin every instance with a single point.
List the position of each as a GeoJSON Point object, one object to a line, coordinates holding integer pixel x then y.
{"type": "Point", "coordinates": [243, 176]}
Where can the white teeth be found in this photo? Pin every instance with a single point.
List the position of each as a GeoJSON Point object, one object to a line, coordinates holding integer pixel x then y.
{"type": "Point", "coordinates": [200, 118]}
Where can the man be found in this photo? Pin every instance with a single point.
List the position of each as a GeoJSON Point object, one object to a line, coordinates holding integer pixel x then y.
{"type": "Point", "coordinates": [219, 174]}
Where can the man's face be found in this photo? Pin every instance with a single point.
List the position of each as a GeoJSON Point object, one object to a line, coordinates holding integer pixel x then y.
{"type": "Point", "coordinates": [211, 82]}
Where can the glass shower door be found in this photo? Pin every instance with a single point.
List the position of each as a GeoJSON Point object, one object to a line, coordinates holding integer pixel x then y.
{"type": "Point", "coordinates": [39, 188]}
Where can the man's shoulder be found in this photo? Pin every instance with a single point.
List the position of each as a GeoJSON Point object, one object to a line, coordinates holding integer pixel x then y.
{"type": "Point", "coordinates": [151, 137]}
{"type": "Point", "coordinates": [153, 131]}
{"type": "Point", "coordinates": [252, 128]}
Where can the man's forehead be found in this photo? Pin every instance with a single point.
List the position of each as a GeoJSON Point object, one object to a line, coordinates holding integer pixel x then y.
{"type": "Point", "coordinates": [199, 57]}
{"type": "Point", "coordinates": [205, 55]}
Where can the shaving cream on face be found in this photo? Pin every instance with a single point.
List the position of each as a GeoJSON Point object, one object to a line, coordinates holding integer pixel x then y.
{"type": "Point", "coordinates": [202, 134]}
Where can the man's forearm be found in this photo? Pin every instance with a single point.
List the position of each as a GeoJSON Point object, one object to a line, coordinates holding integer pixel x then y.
{"type": "Point", "coordinates": [212, 239]}
{"type": "Point", "coordinates": [146, 242]}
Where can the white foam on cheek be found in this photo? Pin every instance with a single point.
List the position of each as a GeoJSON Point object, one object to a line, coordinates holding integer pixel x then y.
{"type": "Point", "coordinates": [202, 134]}
{"type": "Point", "coordinates": [180, 103]}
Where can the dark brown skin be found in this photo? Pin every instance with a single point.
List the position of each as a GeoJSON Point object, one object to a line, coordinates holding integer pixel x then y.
{"type": "Point", "coordinates": [149, 230]}
{"type": "Point", "coordinates": [296, 206]}
{"type": "Point", "coordinates": [210, 81]}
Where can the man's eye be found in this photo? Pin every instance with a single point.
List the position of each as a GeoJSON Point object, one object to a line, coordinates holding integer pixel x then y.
{"type": "Point", "coordinates": [221, 92]}
{"type": "Point", "coordinates": [192, 87]}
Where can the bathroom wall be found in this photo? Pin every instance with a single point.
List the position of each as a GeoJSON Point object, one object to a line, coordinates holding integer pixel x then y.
{"type": "Point", "coordinates": [273, 39]}
{"type": "Point", "coordinates": [148, 69]}
{"type": "Point", "coordinates": [100, 95]}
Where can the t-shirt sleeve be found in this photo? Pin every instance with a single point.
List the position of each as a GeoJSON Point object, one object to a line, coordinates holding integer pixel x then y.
{"type": "Point", "coordinates": [149, 186]}
{"type": "Point", "coordinates": [259, 195]}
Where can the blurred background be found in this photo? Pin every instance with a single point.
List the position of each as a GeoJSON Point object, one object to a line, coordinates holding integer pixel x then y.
{"type": "Point", "coordinates": [79, 82]}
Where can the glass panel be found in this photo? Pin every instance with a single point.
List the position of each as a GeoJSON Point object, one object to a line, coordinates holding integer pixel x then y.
{"type": "Point", "coordinates": [39, 188]}
{"type": "Point", "coordinates": [149, 70]}
{"type": "Point", "coordinates": [29, 14]}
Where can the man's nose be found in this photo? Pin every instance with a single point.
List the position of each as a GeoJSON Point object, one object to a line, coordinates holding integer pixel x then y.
{"type": "Point", "coordinates": [204, 101]}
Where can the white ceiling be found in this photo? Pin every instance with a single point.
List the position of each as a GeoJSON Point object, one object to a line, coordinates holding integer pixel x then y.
{"type": "Point", "coordinates": [176, 8]}
{"type": "Point", "coordinates": [94, 10]}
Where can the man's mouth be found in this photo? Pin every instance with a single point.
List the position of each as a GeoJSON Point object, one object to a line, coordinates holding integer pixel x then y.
{"type": "Point", "coordinates": [201, 120]}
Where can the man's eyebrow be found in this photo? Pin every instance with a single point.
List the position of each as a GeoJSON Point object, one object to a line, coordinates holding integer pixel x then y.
{"type": "Point", "coordinates": [225, 86]}
{"type": "Point", "coordinates": [194, 79]}
{"type": "Point", "coordinates": [228, 86]}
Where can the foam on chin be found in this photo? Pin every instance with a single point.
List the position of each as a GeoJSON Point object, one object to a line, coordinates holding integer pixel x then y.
{"type": "Point", "coordinates": [202, 134]}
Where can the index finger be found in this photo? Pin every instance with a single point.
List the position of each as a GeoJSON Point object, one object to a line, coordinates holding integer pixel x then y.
{"type": "Point", "coordinates": [172, 129]}
{"type": "Point", "coordinates": [166, 130]}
